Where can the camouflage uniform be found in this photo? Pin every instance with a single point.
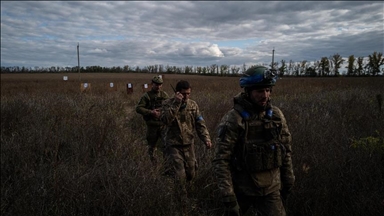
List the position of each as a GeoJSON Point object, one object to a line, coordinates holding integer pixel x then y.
{"type": "Point", "coordinates": [253, 160]}
{"type": "Point", "coordinates": [181, 120]}
{"type": "Point", "coordinates": [149, 101]}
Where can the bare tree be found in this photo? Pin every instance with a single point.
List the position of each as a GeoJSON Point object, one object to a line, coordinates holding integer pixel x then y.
{"type": "Point", "coordinates": [360, 67]}
{"type": "Point", "coordinates": [283, 68]}
{"type": "Point", "coordinates": [351, 66]}
{"type": "Point", "coordinates": [303, 67]}
{"type": "Point", "coordinates": [223, 69]}
{"type": "Point", "coordinates": [376, 60]}
{"type": "Point", "coordinates": [235, 70]}
{"type": "Point", "coordinates": [290, 67]}
{"type": "Point", "coordinates": [337, 61]}
{"type": "Point", "coordinates": [324, 66]}
{"type": "Point", "coordinates": [213, 68]}
{"type": "Point", "coordinates": [244, 68]}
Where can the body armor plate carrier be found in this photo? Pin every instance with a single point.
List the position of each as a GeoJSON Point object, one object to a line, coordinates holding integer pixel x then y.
{"type": "Point", "coordinates": [259, 143]}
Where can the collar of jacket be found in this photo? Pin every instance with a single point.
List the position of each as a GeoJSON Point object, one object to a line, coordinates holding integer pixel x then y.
{"type": "Point", "coordinates": [246, 107]}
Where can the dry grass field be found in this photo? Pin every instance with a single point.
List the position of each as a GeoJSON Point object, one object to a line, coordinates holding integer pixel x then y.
{"type": "Point", "coordinates": [68, 152]}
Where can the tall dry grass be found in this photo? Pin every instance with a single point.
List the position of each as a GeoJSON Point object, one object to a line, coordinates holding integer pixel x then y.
{"type": "Point", "coordinates": [69, 153]}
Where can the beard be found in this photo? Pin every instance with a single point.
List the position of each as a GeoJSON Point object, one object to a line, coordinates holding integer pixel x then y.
{"type": "Point", "coordinates": [260, 104]}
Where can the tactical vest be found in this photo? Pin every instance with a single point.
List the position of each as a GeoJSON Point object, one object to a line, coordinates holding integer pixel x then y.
{"type": "Point", "coordinates": [260, 148]}
{"type": "Point", "coordinates": [155, 102]}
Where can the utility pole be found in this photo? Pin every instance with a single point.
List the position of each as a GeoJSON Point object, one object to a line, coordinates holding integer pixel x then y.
{"type": "Point", "coordinates": [78, 61]}
{"type": "Point", "coordinates": [273, 57]}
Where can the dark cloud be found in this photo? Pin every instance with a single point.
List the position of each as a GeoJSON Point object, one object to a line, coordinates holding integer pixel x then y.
{"type": "Point", "coordinates": [182, 33]}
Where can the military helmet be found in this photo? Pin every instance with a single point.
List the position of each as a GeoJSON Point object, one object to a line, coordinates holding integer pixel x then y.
{"type": "Point", "coordinates": [157, 79]}
{"type": "Point", "coordinates": [258, 76]}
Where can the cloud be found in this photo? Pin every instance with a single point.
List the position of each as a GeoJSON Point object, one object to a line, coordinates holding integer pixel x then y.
{"type": "Point", "coordinates": [180, 33]}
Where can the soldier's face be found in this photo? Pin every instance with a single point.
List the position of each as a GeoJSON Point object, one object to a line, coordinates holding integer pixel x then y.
{"type": "Point", "coordinates": [156, 87]}
{"type": "Point", "coordinates": [260, 96]}
{"type": "Point", "coordinates": [186, 93]}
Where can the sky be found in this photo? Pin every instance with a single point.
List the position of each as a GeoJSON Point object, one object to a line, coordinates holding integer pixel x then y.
{"type": "Point", "coordinates": [186, 33]}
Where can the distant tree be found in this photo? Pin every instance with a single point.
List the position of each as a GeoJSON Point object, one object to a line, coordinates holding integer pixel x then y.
{"type": "Point", "coordinates": [360, 66]}
{"type": "Point", "coordinates": [303, 67]}
{"type": "Point", "coordinates": [282, 68]}
{"type": "Point", "coordinates": [290, 67]}
{"type": "Point", "coordinates": [351, 71]}
{"type": "Point", "coordinates": [337, 61]}
{"type": "Point", "coordinates": [223, 70]}
{"type": "Point", "coordinates": [244, 68]}
{"type": "Point", "coordinates": [296, 69]}
{"type": "Point", "coordinates": [324, 66]}
{"type": "Point", "coordinates": [199, 70]}
{"type": "Point", "coordinates": [235, 70]}
{"type": "Point", "coordinates": [311, 72]}
{"type": "Point", "coordinates": [126, 68]}
{"type": "Point", "coordinates": [204, 70]}
{"type": "Point", "coordinates": [161, 68]}
{"type": "Point", "coordinates": [274, 65]}
{"type": "Point", "coordinates": [376, 60]}
{"type": "Point", "coordinates": [213, 68]}
{"type": "Point", "coordinates": [176, 70]}
{"type": "Point", "coordinates": [331, 70]}
{"type": "Point", "coordinates": [188, 70]}
{"type": "Point", "coordinates": [316, 67]}
{"type": "Point", "coordinates": [168, 69]}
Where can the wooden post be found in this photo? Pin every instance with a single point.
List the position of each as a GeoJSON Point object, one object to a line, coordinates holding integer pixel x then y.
{"type": "Point", "coordinates": [78, 60]}
{"type": "Point", "coordinates": [129, 88]}
{"type": "Point", "coordinates": [112, 87]}
{"type": "Point", "coordinates": [85, 87]}
{"type": "Point", "coordinates": [145, 87]}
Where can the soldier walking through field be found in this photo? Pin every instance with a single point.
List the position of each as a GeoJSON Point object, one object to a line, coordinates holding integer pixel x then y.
{"type": "Point", "coordinates": [252, 160]}
{"type": "Point", "coordinates": [182, 118]}
{"type": "Point", "coordinates": [149, 107]}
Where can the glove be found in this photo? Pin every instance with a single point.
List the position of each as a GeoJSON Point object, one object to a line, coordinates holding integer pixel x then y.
{"type": "Point", "coordinates": [231, 208]}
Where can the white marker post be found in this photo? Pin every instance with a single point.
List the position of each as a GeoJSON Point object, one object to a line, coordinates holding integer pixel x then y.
{"type": "Point", "coordinates": [145, 87]}
{"type": "Point", "coordinates": [85, 87]}
{"type": "Point", "coordinates": [129, 88]}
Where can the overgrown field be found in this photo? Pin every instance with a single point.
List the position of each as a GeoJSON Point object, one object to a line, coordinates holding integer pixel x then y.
{"type": "Point", "coordinates": [66, 152]}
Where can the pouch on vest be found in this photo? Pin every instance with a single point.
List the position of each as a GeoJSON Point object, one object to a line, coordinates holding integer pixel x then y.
{"type": "Point", "coordinates": [272, 129]}
{"type": "Point", "coordinates": [263, 157]}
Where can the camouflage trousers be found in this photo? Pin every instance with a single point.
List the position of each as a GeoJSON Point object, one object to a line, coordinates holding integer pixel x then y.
{"type": "Point", "coordinates": [268, 205]}
{"type": "Point", "coordinates": [154, 134]}
{"type": "Point", "coordinates": [181, 165]}
{"type": "Point", "coordinates": [180, 162]}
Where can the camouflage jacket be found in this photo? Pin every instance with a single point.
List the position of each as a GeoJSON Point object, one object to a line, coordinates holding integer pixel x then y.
{"type": "Point", "coordinates": [230, 173]}
{"type": "Point", "coordinates": [181, 120]}
{"type": "Point", "coordinates": [149, 101]}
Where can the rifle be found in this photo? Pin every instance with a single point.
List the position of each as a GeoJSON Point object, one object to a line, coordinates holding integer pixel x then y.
{"type": "Point", "coordinates": [174, 90]}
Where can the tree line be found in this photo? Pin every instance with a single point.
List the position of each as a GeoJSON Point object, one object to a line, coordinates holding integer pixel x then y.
{"type": "Point", "coordinates": [325, 67]}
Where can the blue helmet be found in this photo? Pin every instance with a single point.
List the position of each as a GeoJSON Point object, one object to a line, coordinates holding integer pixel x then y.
{"type": "Point", "coordinates": [258, 76]}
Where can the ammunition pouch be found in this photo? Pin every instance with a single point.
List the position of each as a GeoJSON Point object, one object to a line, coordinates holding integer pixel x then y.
{"type": "Point", "coordinates": [272, 129]}
{"type": "Point", "coordinates": [260, 148]}
{"type": "Point", "coordinates": [263, 157]}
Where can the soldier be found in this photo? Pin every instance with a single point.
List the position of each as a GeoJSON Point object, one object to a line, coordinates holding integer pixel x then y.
{"type": "Point", "coordinates": [182, 118]}
{"type": "Point", "coordinates": [252, 162]}
{"type": "Point", "coordinates": [150, 107]}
